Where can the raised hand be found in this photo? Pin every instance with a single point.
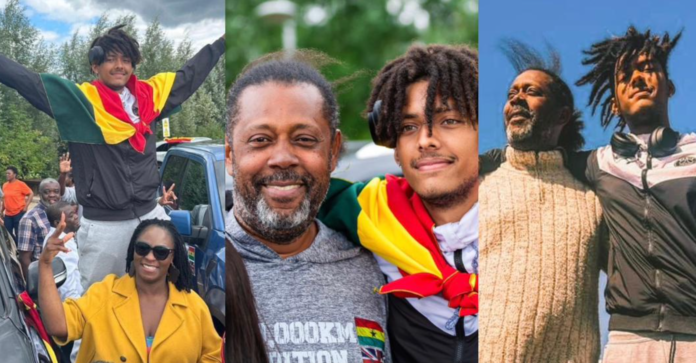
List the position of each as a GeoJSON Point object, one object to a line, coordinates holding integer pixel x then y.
{"type": "Point", "coordinates": [168, 196]}
{"type": "Point", "coordinates": [65, 166]}
{"type": "Point", "coordinates": [55, 245]}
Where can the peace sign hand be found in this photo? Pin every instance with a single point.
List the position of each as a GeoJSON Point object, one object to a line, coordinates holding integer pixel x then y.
{"type": "Point", "coordinates": [168, 196]}
{"type": "Point", "coordinates": [65, 165]}
{"type": "Point", "coordinates": [55, 245]}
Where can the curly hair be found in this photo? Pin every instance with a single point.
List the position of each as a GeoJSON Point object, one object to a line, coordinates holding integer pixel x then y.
{"type": "Point", "coordinates": [525, 58]}
{"type": "Point", "coordinates": [117, 41]}
{"type": "Point", "coordinates": [180, 261]}
{"type": "Point", "coordinates": [450, 70]}
{"type": "Point", "coordinates": [614, 54]}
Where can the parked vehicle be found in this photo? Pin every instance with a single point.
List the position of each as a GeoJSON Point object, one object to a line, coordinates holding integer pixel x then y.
{"type": "Point", "coordinates": [163, 146]}
{"type": "Point", "coordinates": [198, 170]}
{"type": "Point", "coordinates": [19, 341]}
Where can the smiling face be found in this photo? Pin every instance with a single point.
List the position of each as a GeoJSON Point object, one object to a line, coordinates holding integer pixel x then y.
{"type": "Point", "coordinates": [281, 157]}
{"type": "Point", "coordinates": [642, 91]}
{"type": "Point", "coordinates": [50, 193]}
{"type": "Point", "coordinates": [115, 70]}
{"type": "Point", "coordinates": [148, 269]}
{"type": "Point", "coordinates": [441, 166]}
{"type": "Point", "coordinates": [533, 117]}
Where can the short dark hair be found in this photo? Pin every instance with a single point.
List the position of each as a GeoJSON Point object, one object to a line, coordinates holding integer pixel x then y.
{"type": "Point", "coordinates": [117, 41]}
{"type": "Point", "coordinates": [450, 70]}
{"type": "Point", "coordinates": [54, 211]}
{"type": "Point", "coordinates": [14, 169]}
{"type": "Point", "coordinates": [605, 56]}
{"type": "Point", "coordinates": [180, 260]}
{"type": "Point", "coordinates": [525, 58]}
{"type": "Point", "coordinates": [290, 71]}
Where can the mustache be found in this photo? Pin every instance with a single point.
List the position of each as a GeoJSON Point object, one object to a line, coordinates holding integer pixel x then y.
{"type": "Point", "coordinates": [414, 163]}
{"type": "Point", "coordinates": [285, 176]}
{"type": "Point", "coordinates": [520, 110]}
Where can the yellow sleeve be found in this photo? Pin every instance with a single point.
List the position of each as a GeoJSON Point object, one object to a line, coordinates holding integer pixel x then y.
{"type": "Point", "coordinates": [161, 84]}
{"type": "Point", "coordinates": [77, 312]}
{"type": "Point", "coordinates": [211, 351]}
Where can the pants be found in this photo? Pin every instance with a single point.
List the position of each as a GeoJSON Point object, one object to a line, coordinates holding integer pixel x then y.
{"type": "Point", "coordinates": [12, 224]}
{"type": "Point", "coordinates": [649, 347]}
{"type": "Point", "coordinates": [103, 245]}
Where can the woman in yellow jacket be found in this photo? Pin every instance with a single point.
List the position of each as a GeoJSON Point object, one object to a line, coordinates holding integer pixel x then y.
{"type": "Point", "coordinates": [148, 315]}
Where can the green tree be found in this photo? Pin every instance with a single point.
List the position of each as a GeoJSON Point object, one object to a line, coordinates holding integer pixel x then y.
{"type": "Point", "coordinates": [29, 139]}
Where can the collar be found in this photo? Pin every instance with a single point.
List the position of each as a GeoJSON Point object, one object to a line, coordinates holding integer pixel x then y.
{"type": "Point", "coordinates": [537, 160]}
{"type": "Point", "coordinates": [125, 286]}
{"type": "Point", "coordinates": [457, 235]}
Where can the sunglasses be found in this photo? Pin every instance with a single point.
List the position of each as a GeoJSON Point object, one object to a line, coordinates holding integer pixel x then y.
{"type": "Point", "coordinates": [160, 252]}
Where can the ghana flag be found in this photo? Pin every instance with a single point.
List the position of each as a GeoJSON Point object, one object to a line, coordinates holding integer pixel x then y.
{"type": "Point", "coordinates": [371, 340]}
{"type": "Point", "coordinates": [92, 113]}
{"type": "Point", "coordinates": [387, 217]}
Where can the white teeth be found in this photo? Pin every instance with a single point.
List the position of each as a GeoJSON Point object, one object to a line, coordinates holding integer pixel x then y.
{"type": "Point", "coordinates": [286, 187]}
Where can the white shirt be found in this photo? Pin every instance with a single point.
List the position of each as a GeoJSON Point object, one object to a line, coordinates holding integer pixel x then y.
{"type": "Point", "coordinates": [72, 288]}
{"type": "Point", "coordinates": [451, 237]}
{"type": "Point", "coordinates": [128, 101]}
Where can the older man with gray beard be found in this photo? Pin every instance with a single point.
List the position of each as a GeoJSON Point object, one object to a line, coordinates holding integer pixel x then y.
{"type": "Point", "coordinates": [314, 289]}
{"type": "Point", "coordinates": [539, 240]}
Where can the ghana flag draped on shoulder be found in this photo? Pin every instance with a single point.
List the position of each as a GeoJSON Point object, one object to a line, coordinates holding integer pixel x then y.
{"type": "Point", "coordinates": [92, 113]}
{"type": "Point", "coordinates": [387, 217]}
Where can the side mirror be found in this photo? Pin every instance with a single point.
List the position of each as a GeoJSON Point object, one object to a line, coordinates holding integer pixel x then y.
{"type": "Point", "coordinates": [60, 274]}
{"type": "Point", "coordinates": [182, 221]}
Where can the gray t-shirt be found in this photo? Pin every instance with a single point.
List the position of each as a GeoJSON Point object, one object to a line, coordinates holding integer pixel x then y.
{"type": "Point", "coordinates": [319, 306]}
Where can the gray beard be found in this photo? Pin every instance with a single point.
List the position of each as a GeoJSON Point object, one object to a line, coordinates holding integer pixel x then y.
{"type": "Point", "coordinates": [270, 225]}
{"type": "Point", "coordinates": [534, 135]}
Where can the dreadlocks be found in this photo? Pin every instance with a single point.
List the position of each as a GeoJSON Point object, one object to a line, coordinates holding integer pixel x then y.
{"type": "Point", "coordinates": [525, 58]}
{"type": "Point", "coordinates": [451, 70]}
{"type": "Point", "coordinates": [116, 40]}
{"type": "Point", "coordinates": [615, 54]}
{"type": "Point", "coordinates": [180, 260]}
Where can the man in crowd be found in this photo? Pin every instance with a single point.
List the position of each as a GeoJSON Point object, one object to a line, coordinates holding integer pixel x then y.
{"type": "Point", "coordinates": [108, 124]}
{"type": "Point", "coordinates": [34, 226]}
{"type": "Point", "coordinates": [16, 200]}
{"type": "Point", "coordinates": [71, 288]}
{"type": "Point", "coordinates": [540, 228]}
{"type": "Point", "coordinates": [646, 182]}
{"type": "Point", "coordinates": [313, 287]}
{"type": "Point", "coordinates": [423, 228]}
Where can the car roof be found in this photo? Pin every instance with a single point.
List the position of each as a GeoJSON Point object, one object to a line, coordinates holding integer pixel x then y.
{"type": "Point", "coordinates": [217, 148]}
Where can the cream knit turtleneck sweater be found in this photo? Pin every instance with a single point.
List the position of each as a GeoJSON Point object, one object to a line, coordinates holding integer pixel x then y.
{"type": "Point", "coordinates": [539, 243]}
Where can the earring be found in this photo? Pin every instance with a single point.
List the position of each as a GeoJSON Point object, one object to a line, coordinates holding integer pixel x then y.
{"type": "Point", "coordinates": [131, 270]}
{"type": "Point", "coordinates": [173, 273]}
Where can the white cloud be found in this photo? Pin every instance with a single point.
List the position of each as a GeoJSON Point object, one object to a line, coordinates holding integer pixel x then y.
{"type": "Point", "coordinates": [49, 36]}
{"type": "Point", "coordinates": [67, 11]}
{"type": "Point", "coordinates": [201, 33]}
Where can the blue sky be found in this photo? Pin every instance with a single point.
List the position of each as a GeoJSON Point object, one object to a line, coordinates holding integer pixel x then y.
{"type": "Point", "coordinates": [570, 27]}
{"type": "Point", "coordinates": [59, 19]}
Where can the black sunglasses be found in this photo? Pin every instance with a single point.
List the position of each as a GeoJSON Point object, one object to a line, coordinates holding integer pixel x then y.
{"type": "Point", "coordinates": [160, 252]}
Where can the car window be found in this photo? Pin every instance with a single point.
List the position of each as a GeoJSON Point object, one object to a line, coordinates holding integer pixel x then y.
{"type": "Point", "coordinates": [173, 172]}
{"type": "Point", "coordinates": [194, 190]}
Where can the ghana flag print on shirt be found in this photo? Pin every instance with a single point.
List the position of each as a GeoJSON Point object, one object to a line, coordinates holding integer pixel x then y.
{"type": "Point", "coordinates": [387, 217]}
{"type": "Point", "coordinates": [92, 113]}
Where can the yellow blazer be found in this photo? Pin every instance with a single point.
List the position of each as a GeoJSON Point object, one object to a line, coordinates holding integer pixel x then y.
{"type": "Point", "coordinates": [108, 320]}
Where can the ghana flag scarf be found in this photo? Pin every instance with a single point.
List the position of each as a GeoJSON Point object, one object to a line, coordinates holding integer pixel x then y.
{"type": "Point", "coordinates": [92, 113]}
{"type": "Point", "coordinates": [387, 217]}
